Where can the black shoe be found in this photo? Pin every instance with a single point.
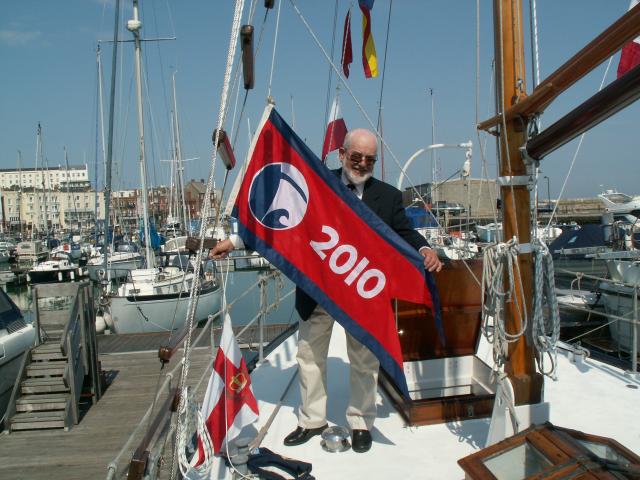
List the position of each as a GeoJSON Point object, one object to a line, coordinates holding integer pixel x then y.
{"type": "Point", "coordinates": [361, 440]}
{"type": "Point", "coordinates": [301, 435]}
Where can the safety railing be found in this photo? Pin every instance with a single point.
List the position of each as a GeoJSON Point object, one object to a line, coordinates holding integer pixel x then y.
{"type": "Point", "coordinates": [154, 440]}
{"type": "Point", "coordinates": [630, 316]}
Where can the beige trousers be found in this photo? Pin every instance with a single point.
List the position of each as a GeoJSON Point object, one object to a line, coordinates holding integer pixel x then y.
{"type": "Point", "coordinates": [313, 346]}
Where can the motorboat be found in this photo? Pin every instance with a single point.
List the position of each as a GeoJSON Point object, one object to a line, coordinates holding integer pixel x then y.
{"type": "Point", "coordinates": [57, 269]}
{"type": "Point", "coordinates": [623, 207]}
{"type": "Point", "coordinates": [16, 336]}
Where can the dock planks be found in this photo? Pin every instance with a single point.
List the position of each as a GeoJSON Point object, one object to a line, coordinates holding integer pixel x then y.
{"type": "Point", "coordinates": [85, 451]}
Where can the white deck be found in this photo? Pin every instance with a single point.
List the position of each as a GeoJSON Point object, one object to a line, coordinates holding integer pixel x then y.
{"type": "Point", "coordinates": [592, 397]}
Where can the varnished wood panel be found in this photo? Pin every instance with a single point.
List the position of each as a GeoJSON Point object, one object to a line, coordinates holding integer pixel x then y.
{"type": "Point", "coordinates": [459, 291]}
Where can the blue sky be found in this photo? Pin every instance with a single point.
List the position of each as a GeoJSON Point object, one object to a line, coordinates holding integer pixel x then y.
{"type": "Point", "coordinates": [48, 52]}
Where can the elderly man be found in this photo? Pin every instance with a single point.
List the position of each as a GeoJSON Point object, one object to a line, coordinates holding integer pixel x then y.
{"type": "Point", "coordinates": [358, 156]}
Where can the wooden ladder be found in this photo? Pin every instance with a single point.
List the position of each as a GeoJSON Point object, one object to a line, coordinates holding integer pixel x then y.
{"type": "Point", "coordinates": [53, 373]}
{"type": "Point", "coordinates": [45, 396]}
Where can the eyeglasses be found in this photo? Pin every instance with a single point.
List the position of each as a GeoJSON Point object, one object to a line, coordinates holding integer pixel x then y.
{"type": "Point", "coordinates": [357, 157]}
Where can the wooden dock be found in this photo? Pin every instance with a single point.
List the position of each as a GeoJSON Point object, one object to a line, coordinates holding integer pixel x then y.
{"type": "Point", "coordinates": [133, 373]}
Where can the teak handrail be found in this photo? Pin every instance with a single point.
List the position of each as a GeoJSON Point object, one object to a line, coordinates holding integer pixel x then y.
{"type": "Point", "coordinates": [624, 30]}
{"type": "Point", "coordinates": [616, 96]}
{"type": "Point", "coordinates": [140, 457]}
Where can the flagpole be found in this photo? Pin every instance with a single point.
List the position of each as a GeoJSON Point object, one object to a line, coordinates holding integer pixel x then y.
{"type": "Point", "coordinates": [380, 132]}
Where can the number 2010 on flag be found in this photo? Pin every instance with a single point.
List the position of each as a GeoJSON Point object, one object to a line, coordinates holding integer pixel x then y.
{"type": "Point", "coordinates": [344, 259]}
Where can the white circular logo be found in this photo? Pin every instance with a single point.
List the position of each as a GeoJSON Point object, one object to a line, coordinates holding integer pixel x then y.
{"type": "Point", "coordinates": [278, 196]}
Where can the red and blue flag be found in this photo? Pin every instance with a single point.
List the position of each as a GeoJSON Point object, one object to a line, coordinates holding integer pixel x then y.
{"type": "Point", "coordinates": [303, 219]}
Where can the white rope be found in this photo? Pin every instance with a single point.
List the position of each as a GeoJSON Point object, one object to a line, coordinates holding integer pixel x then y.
{"type": "Point", "coordinates": [545, 334]}
{"type": "Point", "coordinates": [497, 259]}
{"type": "Point", "coordinates": [206, 211]}
{"type": "Point", "coordinates": [535, 51]}
{"type": "Point", "coordinates": [190, 417]}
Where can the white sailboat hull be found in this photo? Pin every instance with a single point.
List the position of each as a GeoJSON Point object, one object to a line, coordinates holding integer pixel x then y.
{"type": "Point", "coordinates": [155, 313]}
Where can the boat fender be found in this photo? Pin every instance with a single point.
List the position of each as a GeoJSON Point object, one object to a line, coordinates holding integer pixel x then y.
{"type": "Point", "coordinates": [108, 320]}
{"type": "Point", "coordinates": [59, 276]}
{"type": "Point", "coordinates": [263, 457]}
{"type": "Point", "coordinates": [73, 275]}
{"type": "Point", "coordinates": [101, 325]}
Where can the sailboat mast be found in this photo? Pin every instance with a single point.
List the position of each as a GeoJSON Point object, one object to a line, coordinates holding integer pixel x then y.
{"type": "Point", "coordinates": [511, 88]}
{"type": "Point", "coordinates": [20, 193]}
{"type": "Point", "coordinates": [35, 190]}
{"type": "Point", "coordinates": [180, 167]}
{"type": "Point", "coordinates": [102, 143]}
{"type": "Point", "coordinates": [134, 25]}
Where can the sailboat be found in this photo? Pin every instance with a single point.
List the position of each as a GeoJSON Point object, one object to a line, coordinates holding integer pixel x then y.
{"type": "Point", "coordinates": [478, 408]}
{"type": "Point", "coordinates": [155, 298]}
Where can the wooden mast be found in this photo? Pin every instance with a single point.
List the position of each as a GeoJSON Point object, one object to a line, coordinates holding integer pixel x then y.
{"type": "Point", "coordinates": [520, 364]}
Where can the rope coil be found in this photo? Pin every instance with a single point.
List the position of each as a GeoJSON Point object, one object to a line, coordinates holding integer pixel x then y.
{"type": "Point", "coordinates": [545, 333]}
{"type": "Point", "coordinates": [495, 293]}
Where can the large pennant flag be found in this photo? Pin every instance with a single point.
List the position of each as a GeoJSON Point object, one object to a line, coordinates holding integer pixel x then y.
{"type": "Point", "coordinates": [229, 403]}
{"type": "Point", "coordinates": [630, 55]}
{"type": "Point", "coordinates": [347, 51]}
{"type": "Point", "coordinates": [369, 59]}
{"type": "Point", "coordinates": [336, 130]}
{"type": "Point", "coordinates": [304, 220]}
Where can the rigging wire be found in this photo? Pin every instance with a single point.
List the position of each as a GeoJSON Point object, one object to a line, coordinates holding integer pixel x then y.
{"type": "Point", "coordinates": [193, 297]}
{"type": "Point", "coordinates": [234, 137]}
{"type": "Point", "coordinates": [275, 43]}
{"type": "Point", "coordinates": [482, 142]}
{"type": "Point", "coordinates": [535, 122]}
{"type": "Point", "coordinates": [348, 88]}
{"type": "Point", "coordinates": [384, 70]}
{"type": "Point", "coordinates": [330, 76]}
{"type": "Point", "coordinates": [575, 155]}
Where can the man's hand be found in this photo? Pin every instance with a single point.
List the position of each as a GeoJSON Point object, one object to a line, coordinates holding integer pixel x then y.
{"type": "Point", "coordinates": [431, 260]}
{"type": "Point", "coordinates": [221, 250]}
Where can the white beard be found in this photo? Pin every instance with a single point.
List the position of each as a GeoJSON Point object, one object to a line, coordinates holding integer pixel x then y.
{"type": "Point", "coordinates": [357, 179]}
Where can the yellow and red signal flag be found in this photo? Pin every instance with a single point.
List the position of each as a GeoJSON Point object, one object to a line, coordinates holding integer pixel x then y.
{"type": "Point", "coordinates": [369, 58]}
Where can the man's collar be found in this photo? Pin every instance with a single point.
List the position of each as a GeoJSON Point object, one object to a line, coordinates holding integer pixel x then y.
{"type": "Point", "coordinates": [359, 190]}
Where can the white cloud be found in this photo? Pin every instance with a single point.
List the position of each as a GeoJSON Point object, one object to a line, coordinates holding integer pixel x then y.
{"type": "Point", "coordinates": [17, 37]}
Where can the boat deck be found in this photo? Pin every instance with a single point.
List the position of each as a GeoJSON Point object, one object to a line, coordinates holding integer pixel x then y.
{"type": "Point", "coordinates": [589, 396]}
{"type": "Point", "coordinates": [133, 373]}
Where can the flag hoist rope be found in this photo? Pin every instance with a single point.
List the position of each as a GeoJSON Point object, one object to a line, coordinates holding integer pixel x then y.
{"type": "Point", "coordinates": [348, 88]}
{"type": "Point", "coordinates": [193, 298]}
